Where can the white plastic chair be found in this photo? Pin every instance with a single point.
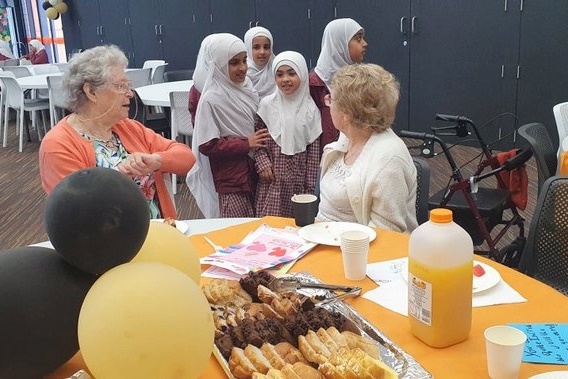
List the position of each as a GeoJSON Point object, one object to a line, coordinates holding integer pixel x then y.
{"type": "Point", "coordinates": [180, 122]}
{"type": "Point", "coordinates": [18, 71]}
{"type": "Point", "coordinates": [57, 98]}
{"type": "Point", "coordinates": [158, 77]}
{"type": "Point", "coordinates": [139, 78]}
{"type": "Point", "coordinates": [14, 96]}
{"type": "Point", "coordinates": [44, 69]}
{"type": "Point", "coordinates": [158, 73]}
{"type": "Point", "coordinates": [153, 63]}
{"type": "Point", "coordinates": [561, 116]}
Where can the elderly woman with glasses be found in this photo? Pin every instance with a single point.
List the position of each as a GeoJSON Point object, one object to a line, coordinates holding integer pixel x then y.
{"type": "Point", "coordinates": [369, 176]}
{"type": "Point", "coordinates": [99, 133]}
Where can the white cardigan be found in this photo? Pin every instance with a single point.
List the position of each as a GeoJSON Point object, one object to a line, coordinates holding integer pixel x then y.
{"type": "Point", "coordinates": [382, 184]}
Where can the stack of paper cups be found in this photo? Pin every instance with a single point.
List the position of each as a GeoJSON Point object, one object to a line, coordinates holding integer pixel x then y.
{"type": "Point", "coordinates": [354, 249]}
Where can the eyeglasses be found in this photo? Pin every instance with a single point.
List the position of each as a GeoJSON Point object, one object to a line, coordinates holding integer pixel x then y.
{"type": "Point", "coordinates": [327, 100]}
{"type": "Point", "coordinates": [123, 87]}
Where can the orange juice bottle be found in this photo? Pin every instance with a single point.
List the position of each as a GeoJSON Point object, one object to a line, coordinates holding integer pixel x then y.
{"type": "Point", "coordinates": [440, 280]}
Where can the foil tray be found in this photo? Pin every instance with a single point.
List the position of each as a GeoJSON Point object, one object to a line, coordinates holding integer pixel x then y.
{"type": "Point", "coordinates": [391, 354]}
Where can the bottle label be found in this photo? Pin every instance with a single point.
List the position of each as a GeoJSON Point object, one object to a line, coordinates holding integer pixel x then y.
{"type": "Point", "coordinates": [420, 299]}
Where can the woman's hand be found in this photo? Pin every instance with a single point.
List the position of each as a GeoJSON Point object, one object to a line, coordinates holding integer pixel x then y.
{"type": "Point", "coordinates": [266, 175]}
{"type": "Point", "coordinates": [259, 138]}
{"type": "Point", "coordinates": [140, 164]}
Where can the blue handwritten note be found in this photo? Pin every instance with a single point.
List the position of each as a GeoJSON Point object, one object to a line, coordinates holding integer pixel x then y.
{"type": "Point", "coordinates": [546, 343]}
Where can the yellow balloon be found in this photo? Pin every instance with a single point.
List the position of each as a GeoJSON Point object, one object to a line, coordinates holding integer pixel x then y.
{"type": "Point", "coordinates": [51, 13]}
{"type": "Point", "coordinates": [61, 7]}
{"type": "Point", "coordinates": [166, 244]}
{"type": "Point", "coordinates": [145, 320]}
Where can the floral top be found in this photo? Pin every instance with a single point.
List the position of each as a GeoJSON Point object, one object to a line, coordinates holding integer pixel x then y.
{"type": "Point", "coordinates": [110, 153]}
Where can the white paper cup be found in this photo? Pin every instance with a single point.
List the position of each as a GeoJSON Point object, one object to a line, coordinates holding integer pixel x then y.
{"type": "Point", "coordinates": [504, 345]}
{"type": "Point", "coordinates": [354, 246]}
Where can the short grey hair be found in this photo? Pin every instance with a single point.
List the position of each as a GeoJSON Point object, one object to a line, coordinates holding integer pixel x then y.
{"type": "Point", "coordinates": [91, 66]}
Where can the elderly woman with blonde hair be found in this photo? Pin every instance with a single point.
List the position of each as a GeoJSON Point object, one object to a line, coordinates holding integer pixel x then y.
{"type": "Point", "coordinates": [368, 177]}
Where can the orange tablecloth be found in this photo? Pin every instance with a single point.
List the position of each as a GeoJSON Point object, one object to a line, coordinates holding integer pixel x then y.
{"type": "Point", "coordinates": [465, 360]}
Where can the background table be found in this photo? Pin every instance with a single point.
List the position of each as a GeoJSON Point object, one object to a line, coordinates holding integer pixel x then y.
{"type": "Point", "coordinates": [36, 81]}
{"type": "Point", "coordinates": [464, 360]}
{"type": "Point", "coordinates": [158, 95]}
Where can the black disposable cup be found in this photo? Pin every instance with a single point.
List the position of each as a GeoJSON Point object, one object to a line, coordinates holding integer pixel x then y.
{"type": "Point", "coordinates": [305, 208]}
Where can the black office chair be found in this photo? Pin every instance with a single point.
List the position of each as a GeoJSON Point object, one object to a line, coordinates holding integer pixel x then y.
{"type": "Point", "coordinates": [545, 256]}
{"type": "Point", "coordinates": [422, 188]}
{"type": "Point", "coordinates": [543, 149]}
{"type": "Point", "coordinates": [139, 112]}
{"type": "Point", "coordinates": [177, 75]}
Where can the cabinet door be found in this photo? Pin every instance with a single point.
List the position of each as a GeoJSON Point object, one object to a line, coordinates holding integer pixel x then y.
{"type": "Point", "coordinates": [543, 69]}
{"type": "Point", "coordinates": [145, 24]}
{"type": "Point", "coordinates": [387, 28]}
{"type": "Point", "coordinates": [71, 28]}
{"type": "Point", "coordinates": [232, 16]}
{"type": "Point", "coordinates": [90, 22]}
{"type": "Point", "coordinates": [115, 26]}
{"type": "Point", "coordinates": [178, 34]}
{"type": "Point", "coordinates": [321, 12]}
{"type": "Point", "coordinates": [463, 61]}
{"type": "Point", "coordinates": [278, 20]}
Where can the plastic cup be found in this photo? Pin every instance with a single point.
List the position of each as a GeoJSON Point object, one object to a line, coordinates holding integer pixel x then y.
{"type": "Point", "coordinates": [504, 345]}
{"type": "Point", "coordinates": [305, 207]}
{"type": "Point", "coordinates": [354, 246]}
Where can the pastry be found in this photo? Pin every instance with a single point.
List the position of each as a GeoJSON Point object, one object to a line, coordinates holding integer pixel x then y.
{"type": "Point", "coordinates": [226, 292]}
{"type": "Point", "coordinates": [298, 370]}
{"type": "Point", "coordinates": [319, 346]}
{"type": "Point", "coordinates": [244, 363]}
{"type": "Point", "coordinates": [253, 280]}
{"type": "Point", "coordinates": [355, 363]}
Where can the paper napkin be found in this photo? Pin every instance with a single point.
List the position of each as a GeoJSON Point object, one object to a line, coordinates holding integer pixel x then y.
{"type": "Point", "coordinates": [392, 292]}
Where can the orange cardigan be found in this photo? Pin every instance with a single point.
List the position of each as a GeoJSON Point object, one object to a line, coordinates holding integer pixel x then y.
{"type": "Point", "coordinates": [64, 151]}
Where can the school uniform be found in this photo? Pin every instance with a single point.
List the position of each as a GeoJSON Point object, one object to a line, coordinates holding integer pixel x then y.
{"type": "Point", "coordinates": [292, 153]}
{"type": "Point", "coordinates": [334, 55]}
{"type": "Point", "coordinates": [223, 179]}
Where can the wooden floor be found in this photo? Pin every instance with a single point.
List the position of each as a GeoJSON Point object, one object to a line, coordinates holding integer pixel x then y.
{"type": "Point", "coordinates": [22, 199]}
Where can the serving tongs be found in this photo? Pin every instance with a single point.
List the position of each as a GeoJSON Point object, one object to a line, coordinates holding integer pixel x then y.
{"type": "Point", "coordinates": [290, 283]}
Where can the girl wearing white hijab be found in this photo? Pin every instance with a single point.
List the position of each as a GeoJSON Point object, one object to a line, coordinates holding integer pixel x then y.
{"type": "Point", "coordinates": [37, 54]}
{"type": "Point", "coordinates": [343, 43]}
{"type": "Point", "coordinates": [260, 55]}
{"type": "Point", "coordinates": [5, 51]}
{"type": "Point", "coordinates": [200, 75]}
{"type": "Point", "coordinates": [289, 163]}
{"type": "Point", "coordinates": [223, 180]}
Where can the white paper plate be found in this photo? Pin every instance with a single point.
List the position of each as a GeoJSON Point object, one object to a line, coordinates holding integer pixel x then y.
{"type": "Point", "coordinates": [482, 283]}
{"type": "Point", "coordinates": [180, 225]}
{"type": "Point", "coordinates": [327, 233]}
{"type": "Point", "coordinates": [551, 375]}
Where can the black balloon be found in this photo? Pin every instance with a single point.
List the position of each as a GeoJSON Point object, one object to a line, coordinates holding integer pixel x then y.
{"type": "Point", "coordinates": [97, 219]}
{"type": "Point", "coordinates": [40, 299]}
{"type": "Point", "coordinates": [46, 5]}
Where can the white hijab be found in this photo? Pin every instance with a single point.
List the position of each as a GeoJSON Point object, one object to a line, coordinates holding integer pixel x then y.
{"type": "Point", "coordinates": [5, 50]}
{"type": "Point", "coordinates": [202, 63]}
{"type": "Point", "coordinates": [225, 109]}
{"type": "Point", "coordinates": [38, 45]}
{"type": "Point", "coordinates": [293, 120]}
{"type": "Point", "coordinates": [335, 47]}
{"type": "Point", "coordinates": [261, 77]}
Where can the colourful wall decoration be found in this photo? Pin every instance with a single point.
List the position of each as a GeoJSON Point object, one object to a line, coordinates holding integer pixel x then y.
{"type": "Point", "coordinates": [4, 27]}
